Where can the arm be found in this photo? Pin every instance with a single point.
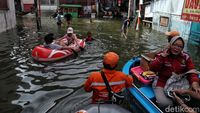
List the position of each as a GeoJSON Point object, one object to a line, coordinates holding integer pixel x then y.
{"type": "Point", "coordinates": [144, 62]}
{"type": "Point", "coordinates": [157, 63]}
{"type": "Point", "coordinates": [75, 39]}
{"type": "Point", "coordinates": [57, 41]}
{"type": "Point", "coordinates": [193, 77]}
{"type": "Point", "coordinates": [63, 43]}
{"type": "Point", "coordinates": [129, 81]}
{"type": "Point", "coordinates": [182, 104]}
{"type": "Point", "coordinates": [66, 47]}
{"type": "Point", "coordinates": [147, 58]}
{"type": "Point", "coordinates": [87, 85]}
{"type": "Point", "coordinates": [189, 92]}
{"type": "Point", "coordinates": [196, 87]}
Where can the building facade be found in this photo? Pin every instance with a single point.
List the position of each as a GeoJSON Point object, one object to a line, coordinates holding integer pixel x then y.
{"type": "Point", "coordinates": [167, 17]}
{"type": "Point", "coordinates": [7, 15]}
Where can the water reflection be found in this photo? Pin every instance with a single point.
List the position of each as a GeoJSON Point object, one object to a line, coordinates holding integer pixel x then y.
{"type": "Point", "coordinates": [35, 87]}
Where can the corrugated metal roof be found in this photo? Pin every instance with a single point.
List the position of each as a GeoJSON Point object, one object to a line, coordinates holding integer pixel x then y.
{"type": "Point", "coordinates": [70, 5]}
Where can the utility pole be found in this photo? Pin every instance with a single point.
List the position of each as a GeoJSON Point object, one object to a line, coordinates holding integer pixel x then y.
{"type": "Point", "coordinates": [36, 15]}
{"type": "Point", "coordinates": [134, 7]}
{"type": "Point", "coordinates": [97, 7]}
{"type": "Point", "coordinates": [139, 14]}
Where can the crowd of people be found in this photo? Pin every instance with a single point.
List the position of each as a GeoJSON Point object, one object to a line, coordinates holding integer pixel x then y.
{"type": "Point", "coordinates": [59, 14]}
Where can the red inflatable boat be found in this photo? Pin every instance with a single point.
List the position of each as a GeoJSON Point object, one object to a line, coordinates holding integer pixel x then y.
{"type": "Point", "coordinates": [40, 53]}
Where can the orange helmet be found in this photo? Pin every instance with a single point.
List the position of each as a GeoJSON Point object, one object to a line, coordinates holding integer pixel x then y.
{"type": "Point", "coordinates": [111, 58]}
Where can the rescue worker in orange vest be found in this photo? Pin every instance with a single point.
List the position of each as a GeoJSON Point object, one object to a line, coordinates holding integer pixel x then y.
{"type": "Point", "coordinates": [117, 80]}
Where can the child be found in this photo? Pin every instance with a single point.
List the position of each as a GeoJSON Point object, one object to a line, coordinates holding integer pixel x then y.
{"type": "Point", "coordinates": [89, 37]}
{"type": "Point", "coordinates": [48, 39]}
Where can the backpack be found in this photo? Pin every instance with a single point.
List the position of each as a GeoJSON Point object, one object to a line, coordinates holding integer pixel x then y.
{"type": "Point", "coordinates": [116, 98]}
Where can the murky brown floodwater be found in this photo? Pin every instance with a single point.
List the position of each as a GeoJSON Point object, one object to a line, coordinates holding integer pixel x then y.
{"type": "Point", "coordinates": [28, 86]}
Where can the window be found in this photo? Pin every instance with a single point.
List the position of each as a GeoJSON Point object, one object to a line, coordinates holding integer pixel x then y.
{"type": "Point", "coordinates": [3, 5]}
{"type": "Point", "coordinates": [52, 2]}
{"type": "Point", "coordinates": [164, 21]}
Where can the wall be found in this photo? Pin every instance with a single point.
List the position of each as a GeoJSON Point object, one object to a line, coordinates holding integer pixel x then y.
{"type": "Point", "coordinates": [195, 34]}
{"type": "Point", "coordinates": [171, 9]}
{"type": "Point", "coordinates": [7, 17]}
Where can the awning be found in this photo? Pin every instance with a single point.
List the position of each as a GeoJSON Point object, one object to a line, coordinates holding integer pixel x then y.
{"type": "Point", "coordinates": [70, 5]}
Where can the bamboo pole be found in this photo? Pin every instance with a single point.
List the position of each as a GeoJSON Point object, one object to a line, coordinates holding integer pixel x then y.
{"type": "Point", "coordinates": [139, 15]}
{"type": "Point", "coordinates": [129, 8]}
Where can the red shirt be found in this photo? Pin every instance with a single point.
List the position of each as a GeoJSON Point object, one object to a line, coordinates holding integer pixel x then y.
{"type": "Point", "coordinates": [116, 79]}
{"type": "Point", "coordinates": [88, 39]}
{"type": "Point", "coordinates": [164, 65]}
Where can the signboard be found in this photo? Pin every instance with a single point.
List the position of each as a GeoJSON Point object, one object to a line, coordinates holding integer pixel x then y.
{"type": "Point", "coordinates": [164, 21]}
{"type": "Point", "coordinates": [28, 1]}
{"type": "Point", "coordinates": [191, 10]}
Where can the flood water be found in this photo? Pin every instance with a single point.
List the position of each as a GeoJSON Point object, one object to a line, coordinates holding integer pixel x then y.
{"type": "Point", "coordinates": [28, 86]}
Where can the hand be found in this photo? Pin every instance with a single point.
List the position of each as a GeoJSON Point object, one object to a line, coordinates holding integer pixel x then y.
{"type": "Point", "coordinates": [178, 99]}
{"type": "Point", "coordinates": [144, 64]}
{"type": "Point", "coordinates": [180, 91]}
{"type": "Point", "coordinates": [196, 87]}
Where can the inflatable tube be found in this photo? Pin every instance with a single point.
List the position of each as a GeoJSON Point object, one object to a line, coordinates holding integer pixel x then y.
{"type": "Point", "coordinates": [40, 53]}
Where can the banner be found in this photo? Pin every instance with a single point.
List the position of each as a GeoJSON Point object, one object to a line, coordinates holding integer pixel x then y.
{"type": "Point", "coordinates": [191, 10]}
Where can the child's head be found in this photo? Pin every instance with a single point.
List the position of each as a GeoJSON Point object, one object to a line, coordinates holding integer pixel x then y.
{"type": "Point", "coordinates": [49, 38]}
{"type": "Point", "coordinates": [89, 33]}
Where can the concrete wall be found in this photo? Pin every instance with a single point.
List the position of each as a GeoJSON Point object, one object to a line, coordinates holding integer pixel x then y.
{"type": "Point", "coordinates": [48, 7]}
{"type": "Point", "coordinates": [8, 17]}
{"type": "Point", "coordinates": [171, 9]}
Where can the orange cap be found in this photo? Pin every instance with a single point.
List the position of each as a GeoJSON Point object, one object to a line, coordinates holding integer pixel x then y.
{"type": "Point", "coordinates": [111, 58]}
{"type": "Point", "coordinates": [172, 33]}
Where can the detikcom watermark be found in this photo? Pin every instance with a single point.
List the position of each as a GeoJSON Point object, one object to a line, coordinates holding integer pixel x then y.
{"type": "Point", "coordinates": [171, 109]}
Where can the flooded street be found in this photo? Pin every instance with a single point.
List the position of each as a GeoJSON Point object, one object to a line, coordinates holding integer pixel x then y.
{"type": "Point", "coordinates": [28, 86]}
